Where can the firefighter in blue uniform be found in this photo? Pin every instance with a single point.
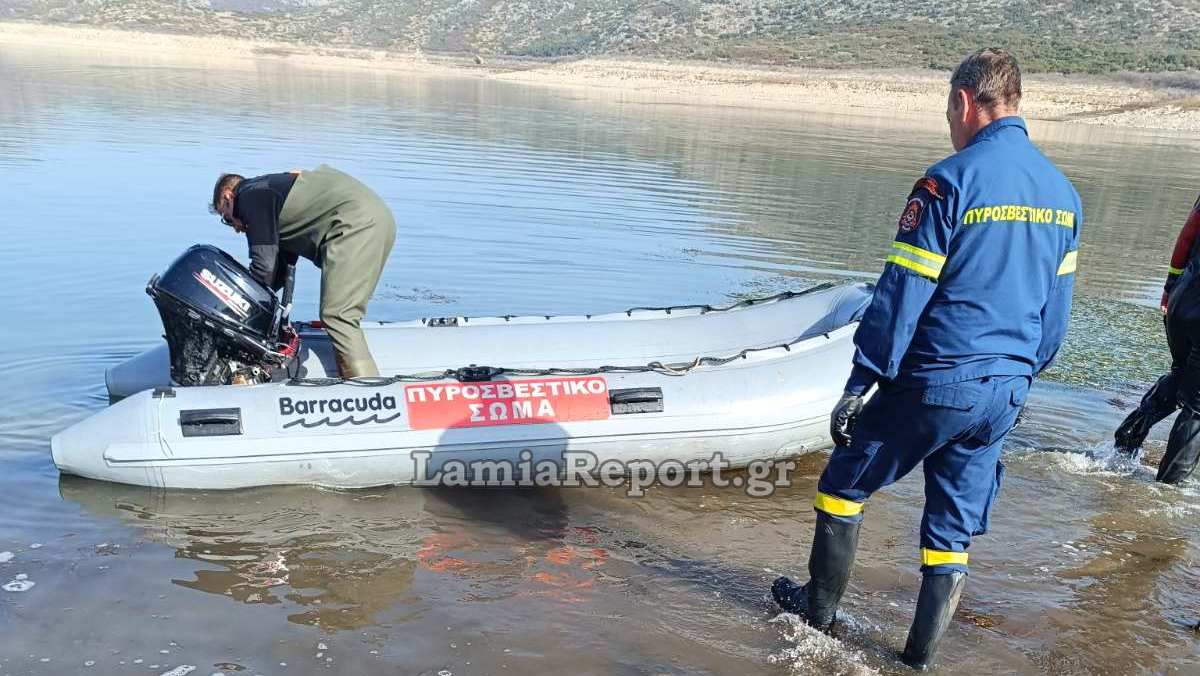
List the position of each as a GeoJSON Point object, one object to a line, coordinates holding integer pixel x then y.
{"type": "Point", "coordinates": [971, 306]}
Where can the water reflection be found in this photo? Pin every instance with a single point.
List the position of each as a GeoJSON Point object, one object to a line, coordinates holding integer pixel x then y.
{"type": "Point", "coordinates": [336, 559]}
{"type": "Point", "coordinates": [342, 560]}
{"type": "Point", "coordinates": [495, 164]}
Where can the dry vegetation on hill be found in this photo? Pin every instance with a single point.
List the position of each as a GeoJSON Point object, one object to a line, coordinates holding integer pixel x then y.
{"type": "Point", "coordinates": [1096, 36]}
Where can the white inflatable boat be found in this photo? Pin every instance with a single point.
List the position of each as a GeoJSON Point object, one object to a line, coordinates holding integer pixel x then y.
{"type": "Point", "coordinates": [753, 380]}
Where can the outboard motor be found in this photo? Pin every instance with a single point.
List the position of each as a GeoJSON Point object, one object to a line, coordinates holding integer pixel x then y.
{"type": "Point", "coordinates": [222, 326]}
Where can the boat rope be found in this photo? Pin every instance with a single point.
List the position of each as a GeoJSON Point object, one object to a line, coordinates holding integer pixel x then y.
{"type": "Point", "coordinates": [705, 308]}
{"type": "Point", "coordinates": [475, 373]}
{"type": "Point", "coordinates": [162, 438]}
{"type": "Point", "coordinates": [469, 374]}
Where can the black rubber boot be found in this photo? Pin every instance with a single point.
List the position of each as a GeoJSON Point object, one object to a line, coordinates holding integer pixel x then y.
{"type": "Point", "coordinates": [829, 567]}
{"type": "Point", "coordinates": [935, 607]}
{"type": "Point", "coordinates": [791, 597]}
{"type": "Point", "coordinates": [1158, 403]}
{"type": "Point", "coordinates": [1183, 448]}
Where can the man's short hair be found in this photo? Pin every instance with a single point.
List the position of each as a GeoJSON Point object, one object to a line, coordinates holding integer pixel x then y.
{"type": "Point", "coordinates": [223, 181]}
{"type": "Point", "coordinates": [994, 76]}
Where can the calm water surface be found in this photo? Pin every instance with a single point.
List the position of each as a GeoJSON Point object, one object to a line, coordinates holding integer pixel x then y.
{"type": "Point", "coordinates": [514, 199]}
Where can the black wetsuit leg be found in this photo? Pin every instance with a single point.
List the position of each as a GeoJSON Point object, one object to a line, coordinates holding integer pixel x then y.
{"type": "Point", "coordinates": [1183, 335]}
{"type": "Point", "coordinates": [1159, 402]}
{"type": "Point", "coordinates": [1162, 398]}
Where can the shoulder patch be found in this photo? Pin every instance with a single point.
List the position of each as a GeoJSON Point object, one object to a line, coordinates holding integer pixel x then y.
{"type": "Point", "coordinates": [923, 191]}
{"type": "Point", "coordinates": [911, 217]}
{"type": "Point", "coordinates": [930, 185]}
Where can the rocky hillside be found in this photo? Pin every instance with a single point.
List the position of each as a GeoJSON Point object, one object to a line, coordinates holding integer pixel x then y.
{"type": "Point", "coordinates": [1050, 35]}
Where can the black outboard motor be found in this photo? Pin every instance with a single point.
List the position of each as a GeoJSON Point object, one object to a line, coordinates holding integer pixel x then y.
{"type": "Point", "coordinates": [222, 325]}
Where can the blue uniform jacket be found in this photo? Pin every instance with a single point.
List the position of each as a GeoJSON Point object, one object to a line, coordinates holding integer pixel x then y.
{"type": "Point", "coordinates": [979, 278]}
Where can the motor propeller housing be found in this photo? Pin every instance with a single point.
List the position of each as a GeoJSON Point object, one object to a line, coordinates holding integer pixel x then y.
{"type": "Point", "coordinates": [221, 325]}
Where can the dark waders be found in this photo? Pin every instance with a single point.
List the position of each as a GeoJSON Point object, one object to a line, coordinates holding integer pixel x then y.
{"type": "Point", "coordinates": [347, 230]}
{"type": "Point", "coordinates": [1180, 388]}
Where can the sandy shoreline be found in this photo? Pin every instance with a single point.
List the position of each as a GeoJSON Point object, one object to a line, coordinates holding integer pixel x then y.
{"type": "Point", "coordinates": [1089, 100]}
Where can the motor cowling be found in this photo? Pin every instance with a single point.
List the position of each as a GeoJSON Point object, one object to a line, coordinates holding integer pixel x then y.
{"type": "Point", "coordinates": [221, 325]}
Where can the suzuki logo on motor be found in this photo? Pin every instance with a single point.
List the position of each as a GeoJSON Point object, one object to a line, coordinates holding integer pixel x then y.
{"type": "Point", "coordinates": [224, 292]}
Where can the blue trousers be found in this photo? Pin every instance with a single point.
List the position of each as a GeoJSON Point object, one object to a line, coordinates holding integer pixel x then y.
{"type": "Point", "coordinates": [956, 432]}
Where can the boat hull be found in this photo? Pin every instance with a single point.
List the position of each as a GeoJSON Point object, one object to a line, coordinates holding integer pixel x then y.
{"type": "Point", "coordinates": [769, 402]}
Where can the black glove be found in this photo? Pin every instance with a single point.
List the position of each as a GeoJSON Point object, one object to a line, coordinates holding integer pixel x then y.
{"type": "Point", "coordinates": [841, 421]}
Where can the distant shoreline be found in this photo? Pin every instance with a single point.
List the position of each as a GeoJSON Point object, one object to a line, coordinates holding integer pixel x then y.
{"type": "Point", "coordinates": [1110, 101]}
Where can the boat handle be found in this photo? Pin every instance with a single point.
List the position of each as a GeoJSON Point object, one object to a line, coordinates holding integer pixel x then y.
{"type": "Point", "coordinates": [636, 400]}
{"type": "Point", "coordinates": [210, 422]}
{"type": "Point", "coordinates": [636, 395]}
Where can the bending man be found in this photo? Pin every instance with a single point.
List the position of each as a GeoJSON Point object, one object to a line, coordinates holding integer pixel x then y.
{"type": "Point", "coordinates": [1180, 387]}
{"type": "Point", "coordinates": [971, 306]}
{"type": "Point", "coordinates": [332, 220]}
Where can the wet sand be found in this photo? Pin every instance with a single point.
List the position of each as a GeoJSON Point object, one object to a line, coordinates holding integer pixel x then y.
{"type": "Point", "coordinates": [1131, 103]}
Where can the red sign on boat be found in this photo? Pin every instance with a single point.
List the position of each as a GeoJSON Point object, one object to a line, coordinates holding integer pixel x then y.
{"type": "Point", "coordinates": [506, 402]}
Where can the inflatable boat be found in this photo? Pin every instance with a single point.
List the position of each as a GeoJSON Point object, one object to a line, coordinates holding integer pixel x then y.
{"type": "Point", "coordinates": [240, 396]}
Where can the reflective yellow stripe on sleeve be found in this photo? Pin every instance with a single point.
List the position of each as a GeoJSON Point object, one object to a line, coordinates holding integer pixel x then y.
{"type": "Point", "coordinates": [831, 504]}
{"type": "Point", "coordinates": [933, 557]}
{"type": "Point", "coordinates": [920, 261]}
{"type": "Point", "coordinates": [1175, 272]}
{"type": "Point", "coordinates": [1068, 263]}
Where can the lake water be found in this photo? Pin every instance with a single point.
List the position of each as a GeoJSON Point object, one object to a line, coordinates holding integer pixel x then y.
{"type": "Point", "coordinates": [514, 199]}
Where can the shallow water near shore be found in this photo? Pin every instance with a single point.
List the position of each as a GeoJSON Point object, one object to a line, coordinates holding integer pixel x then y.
{"type": "Point", "coordinates": [516, 199]}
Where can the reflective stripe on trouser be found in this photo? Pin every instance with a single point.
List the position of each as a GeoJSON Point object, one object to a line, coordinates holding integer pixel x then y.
{"type": "Point", "coordinates": [835, 506]}
{"type": "Point", "coordinates": [352, 260]}
{"type": "Point", "coordinates": [933, 557]}
{"type": "Point", "coordinates": [955, 431]}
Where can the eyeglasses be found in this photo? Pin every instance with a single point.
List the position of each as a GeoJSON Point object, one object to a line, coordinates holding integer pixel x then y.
{"type": "Point", "coordinates": [212, 209]}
